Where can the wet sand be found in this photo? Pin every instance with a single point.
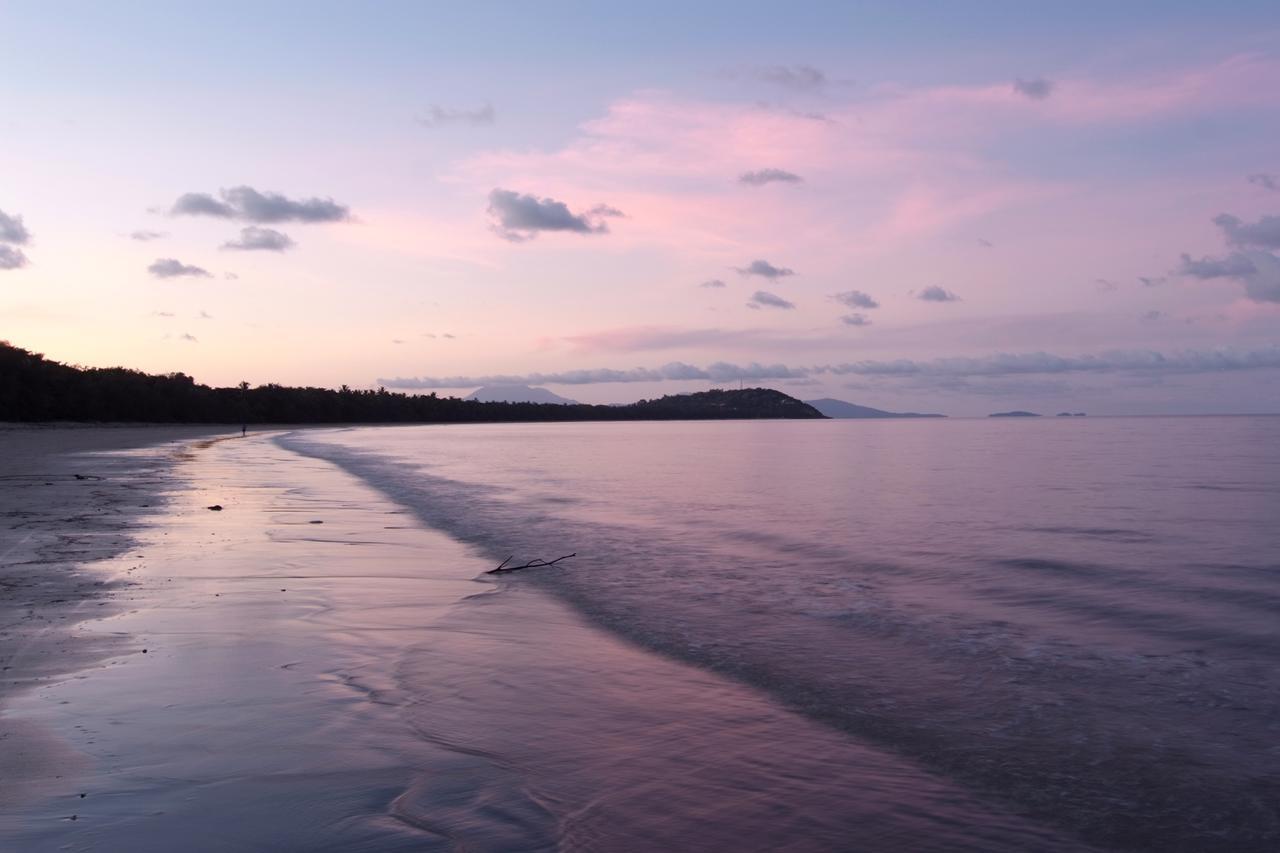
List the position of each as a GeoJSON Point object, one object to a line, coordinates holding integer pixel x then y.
{"type": "Point", "coordinates": [64, 509]}
{"type": "Point", "coordinates": [321, 672]}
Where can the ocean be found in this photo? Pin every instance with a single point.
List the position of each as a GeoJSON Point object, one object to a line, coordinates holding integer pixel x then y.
{"type": "Point", "coordinates": [1063, 631]}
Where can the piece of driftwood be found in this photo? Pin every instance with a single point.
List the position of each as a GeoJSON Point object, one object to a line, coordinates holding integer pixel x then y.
{"type": "Point", "coordinates": [503, 568]}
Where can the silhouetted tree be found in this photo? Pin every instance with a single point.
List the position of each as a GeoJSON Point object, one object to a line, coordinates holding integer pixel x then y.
{"type": "Point", "coordinates": [33, 388]}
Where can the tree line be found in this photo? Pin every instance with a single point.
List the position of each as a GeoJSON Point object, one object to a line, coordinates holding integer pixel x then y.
{"type": "Point", "coordinates": [33, 388]}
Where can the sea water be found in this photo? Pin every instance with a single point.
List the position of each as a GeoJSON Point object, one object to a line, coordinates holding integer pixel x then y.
{"type": "Point", "coordinates": [1077, 620]}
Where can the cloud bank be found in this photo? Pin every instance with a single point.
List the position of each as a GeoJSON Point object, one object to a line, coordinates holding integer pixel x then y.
{"type": "Point", "coordinates": [1140, 362]}
{"type": "Point", "coordinates": [674, 372]}
{"type": "Point", "coordinates": [248, 205]}
{"type": "Point", "coordinates": [855, 320]}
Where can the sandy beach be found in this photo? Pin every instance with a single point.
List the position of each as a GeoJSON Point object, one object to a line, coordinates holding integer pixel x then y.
{"type": "Point", "coordinates": [64, 509]}
{"type": "Point", "coordinates": [693, 428]}
{"type": "Point", "coordinates": [310, 668]}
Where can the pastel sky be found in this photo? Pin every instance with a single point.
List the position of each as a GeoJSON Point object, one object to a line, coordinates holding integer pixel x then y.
{"type": "Point", "coordinates": [956, 207]}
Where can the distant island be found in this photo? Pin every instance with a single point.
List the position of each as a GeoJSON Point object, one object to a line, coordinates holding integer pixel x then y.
{"type": "Point", "coordinates": [518, 394]}
{"type": "Point", "coordinates": [1014, 414]}
{"type": "Point", "coordinates": [1071, 414]}
{"type": "Point", "coordinates": [33, 388]}
{"type": "Point", "coordinates": [840, 409]}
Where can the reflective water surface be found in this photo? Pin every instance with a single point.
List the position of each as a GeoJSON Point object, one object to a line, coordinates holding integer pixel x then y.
{"type": "Point", "coordinates": [955, 635]}
{"type": "Point", "coordinates": [1078, 619]}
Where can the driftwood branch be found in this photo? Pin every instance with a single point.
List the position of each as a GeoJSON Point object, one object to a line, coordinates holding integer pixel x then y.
{"type": "Point", "coordinates": [503, 568]}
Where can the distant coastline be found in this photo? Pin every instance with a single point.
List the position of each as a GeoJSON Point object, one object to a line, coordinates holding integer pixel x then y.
{"type": "Point", "coordinates": [34, 389]}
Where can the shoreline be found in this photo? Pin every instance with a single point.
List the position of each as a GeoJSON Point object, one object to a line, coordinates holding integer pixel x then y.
{"type": "Point", "coordinates": [897, 687]}
{"type": "Point", "coordinates": [326, 672]}
{"type": "Point", "coordinates": [71, 500]}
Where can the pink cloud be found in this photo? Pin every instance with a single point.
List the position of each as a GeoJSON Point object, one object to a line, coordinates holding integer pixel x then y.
{"type": "Point", "coordinates": [658, 143]}
{"type": "Point", "coordinates": [673, 164]}
{"type": "Point", "coordinates": [889, 168]}
{"type": "Point", "coordinates": [924, 208]}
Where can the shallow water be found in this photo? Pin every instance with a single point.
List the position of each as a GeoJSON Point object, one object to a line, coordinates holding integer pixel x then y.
{"type": "Point", "coordinates": [360, 684]}
{"type": "Point", "coordinates": [1077, 620]}
{"type": "Point", "coordinates": [959, 635]}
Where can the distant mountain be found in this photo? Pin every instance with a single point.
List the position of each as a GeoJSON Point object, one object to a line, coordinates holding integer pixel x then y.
{"type": "Point", "coordinates": [518, 394]}
{"type": "Point", "coordinates": [1014, 414]}
{"type": "Point", "coordinates": [840, 409]}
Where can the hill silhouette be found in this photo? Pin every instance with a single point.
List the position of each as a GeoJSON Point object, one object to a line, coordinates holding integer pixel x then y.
{"type": "Point", "coordinates": [33, 388]}
{"type": "Point", "coordinates": [840, 409]}
{"type": "Point", "coordinates": [517, 394]}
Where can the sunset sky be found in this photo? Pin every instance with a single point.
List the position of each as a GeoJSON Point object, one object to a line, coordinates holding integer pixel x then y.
{"type": "Point", "coordinates": [948, 207]}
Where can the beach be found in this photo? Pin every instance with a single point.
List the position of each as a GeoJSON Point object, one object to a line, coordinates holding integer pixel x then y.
{"type": "Point", "coordinates": [64, 510]}
{"type": "Point", "coordinates": [724, 427]}
{"type": "Point", "coordinates": [312, 668]}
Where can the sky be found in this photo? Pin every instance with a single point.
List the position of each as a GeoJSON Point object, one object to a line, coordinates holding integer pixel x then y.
{"type": "Point", "coordinates": [947, 207]}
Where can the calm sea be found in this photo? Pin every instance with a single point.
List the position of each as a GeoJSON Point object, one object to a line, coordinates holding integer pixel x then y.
{"type": "Point", "coordinates": [1075, 619]}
